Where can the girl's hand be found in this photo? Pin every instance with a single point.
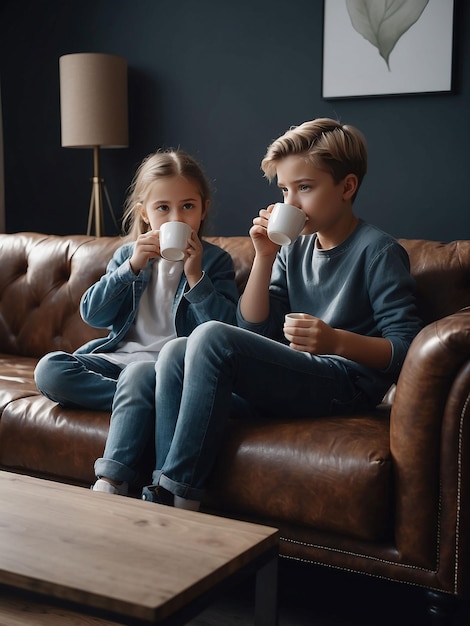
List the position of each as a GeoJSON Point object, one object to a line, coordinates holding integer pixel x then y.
{"type": "Point", "coordinates": [147, 246]}
{"type": "Point", "coordinates": [259, 234]}
{"type": "Point", "coordinates": [193, 259]}
{"type": "Point", "coordinates": [310, 334]}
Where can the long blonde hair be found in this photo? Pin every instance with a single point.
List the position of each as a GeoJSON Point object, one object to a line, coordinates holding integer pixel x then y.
{"type": "Point", "coordinates": [154, 167]}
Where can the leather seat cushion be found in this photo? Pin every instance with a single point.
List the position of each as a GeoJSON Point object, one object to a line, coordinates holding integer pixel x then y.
{"type": "Point", "coordinates": [335, 475]}
{"type": "Point", "coordinates": [39, 436]}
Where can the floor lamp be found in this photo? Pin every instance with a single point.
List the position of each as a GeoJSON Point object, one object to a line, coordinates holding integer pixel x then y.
{"type": "Point", "coordinates": [93, 113]}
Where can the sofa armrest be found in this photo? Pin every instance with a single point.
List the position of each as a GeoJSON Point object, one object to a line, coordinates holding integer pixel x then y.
{"type": "Point", "coordinates": [430, 443]}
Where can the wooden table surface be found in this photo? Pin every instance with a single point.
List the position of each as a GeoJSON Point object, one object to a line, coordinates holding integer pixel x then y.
{"type": "Point", "coordinates": [117, 554]}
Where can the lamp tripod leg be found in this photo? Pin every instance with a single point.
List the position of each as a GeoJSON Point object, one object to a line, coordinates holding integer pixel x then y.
{"type": "Point", "coordinates": [110, 207]}
{"type": "Point", "coordinates": [90, 213]}
{"type": "Point", "coordinates": [95, 213]}
{"type": "Point", "coordinates": [96, 204]}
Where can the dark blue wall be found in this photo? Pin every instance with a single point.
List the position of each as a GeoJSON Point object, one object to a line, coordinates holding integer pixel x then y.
{"type": "Point", "coordinates": [222, 79]}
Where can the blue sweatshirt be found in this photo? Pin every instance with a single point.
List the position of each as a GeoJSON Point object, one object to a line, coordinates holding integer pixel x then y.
{"type": "Point", "coordinates": [363, 285]}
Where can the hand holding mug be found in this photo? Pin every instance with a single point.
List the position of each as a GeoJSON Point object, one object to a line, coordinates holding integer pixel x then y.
{"type": "Point", "coordinates": [307, 333]}
{"type": "Point", "coordinates": [259, 234]}
{"type": "Point", "coordinates": [147, 246]}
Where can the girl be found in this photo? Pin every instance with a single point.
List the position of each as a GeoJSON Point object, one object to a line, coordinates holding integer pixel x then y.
{"type": "Point", "coordinates": [146, 301]}
{"type": "Point", "coordinates": [350, 281]}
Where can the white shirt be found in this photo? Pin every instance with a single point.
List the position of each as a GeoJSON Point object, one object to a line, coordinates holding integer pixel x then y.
{"type": "Point", "coordinates": [153, 326]}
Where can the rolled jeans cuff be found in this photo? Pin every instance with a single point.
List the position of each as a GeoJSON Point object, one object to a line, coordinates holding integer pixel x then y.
{"type": "Point", "coordinates": [178, 489]}
{"type": "Point", "coordinates": [114, 470]}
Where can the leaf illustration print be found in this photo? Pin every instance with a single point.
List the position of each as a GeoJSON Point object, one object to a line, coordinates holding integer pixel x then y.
{"type": "Point", "coordinates": [383, 22]}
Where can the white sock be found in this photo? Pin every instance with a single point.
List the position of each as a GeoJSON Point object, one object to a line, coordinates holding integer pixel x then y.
{"type": "Point", "coordinates": [184, 503]}
{"type": "Point", "coordinates": [104, 484]}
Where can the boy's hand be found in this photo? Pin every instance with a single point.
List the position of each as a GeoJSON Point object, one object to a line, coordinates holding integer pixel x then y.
{"type": "Point", "coordinates": [310, 334]}
{"type": "Point", "coordinates": [147, 246]}
{"type": "Point", "coordinates": [254, 302]}
{"type": "Point", "coordinates": [259, 234]}
{"type": "Point", "coordinates": [193, 259]}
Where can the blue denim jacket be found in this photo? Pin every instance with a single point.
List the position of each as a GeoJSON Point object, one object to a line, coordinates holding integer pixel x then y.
{"type": "Point", "coordinates": [113, 301]}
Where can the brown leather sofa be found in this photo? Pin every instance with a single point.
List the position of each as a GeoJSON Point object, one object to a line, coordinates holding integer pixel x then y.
{"type": "Point", "coordinates": [386, 493]}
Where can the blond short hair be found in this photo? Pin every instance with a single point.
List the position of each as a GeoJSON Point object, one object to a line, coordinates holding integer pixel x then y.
{"type": "Point", "coordinates": [328, 145]}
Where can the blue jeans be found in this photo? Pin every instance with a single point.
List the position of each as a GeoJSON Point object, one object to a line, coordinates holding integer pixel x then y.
{"type": "Point", "coordinates": [132, 423]}
{"type": "Point", "coordinates": [77, 380]}
{"type": "Point", "coordinates": [197, 377]}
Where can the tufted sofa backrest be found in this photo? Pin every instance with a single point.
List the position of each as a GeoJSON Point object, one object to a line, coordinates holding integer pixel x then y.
{"type": "Point", "coordinates": [41, 283]}
{"type": "Point", "coordinates": [43, 277]}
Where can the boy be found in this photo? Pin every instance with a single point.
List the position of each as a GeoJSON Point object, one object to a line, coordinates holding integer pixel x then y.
{"type": "Point", "coordinates": [350, 280]}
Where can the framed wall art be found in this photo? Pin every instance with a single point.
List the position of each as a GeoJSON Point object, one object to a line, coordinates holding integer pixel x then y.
{"type": "Point", "coordinates": [387, 47]}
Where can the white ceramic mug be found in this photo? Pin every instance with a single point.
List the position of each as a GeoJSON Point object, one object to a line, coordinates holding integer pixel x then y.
{"type": "Point", "coordinates": [174, 240]}
{"type": "Point", "coordinates": [285, 223]}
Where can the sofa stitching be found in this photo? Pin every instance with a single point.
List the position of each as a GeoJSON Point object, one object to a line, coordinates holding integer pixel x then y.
{"type": "Point", "coordinates": [439, 527]}
{"type": "Point", "coordinates": [355, 554]}
{"type": "Point", "coordinates": [459, 485]}
{"type": "Point", "coordinates": [358, 571]}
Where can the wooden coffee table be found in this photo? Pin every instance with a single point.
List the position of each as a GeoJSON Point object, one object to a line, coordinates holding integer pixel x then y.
{"type": "Point", "coordinates": [123, 560]}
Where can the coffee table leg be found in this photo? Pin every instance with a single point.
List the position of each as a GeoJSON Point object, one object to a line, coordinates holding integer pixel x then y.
{"type": "Point", "coordinates": [266, 609]}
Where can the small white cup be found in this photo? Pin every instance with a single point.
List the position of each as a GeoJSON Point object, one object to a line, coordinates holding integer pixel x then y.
{"type": "Point", "coordinates": [285, 223]}
{"type": "Point", "coordinates": [294, 316]}
{"type": "Point", "coordinates": [174, 240]}
{"type": "Point", "coordinates": [288, 321]}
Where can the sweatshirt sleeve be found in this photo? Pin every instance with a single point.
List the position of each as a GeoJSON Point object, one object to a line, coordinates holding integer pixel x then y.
{"type": "Point", "coordinates": [391, 290]}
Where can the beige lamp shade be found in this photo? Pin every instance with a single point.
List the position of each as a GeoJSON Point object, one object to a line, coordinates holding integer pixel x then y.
{"type": "Point", "coordinates": [93, 100]}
